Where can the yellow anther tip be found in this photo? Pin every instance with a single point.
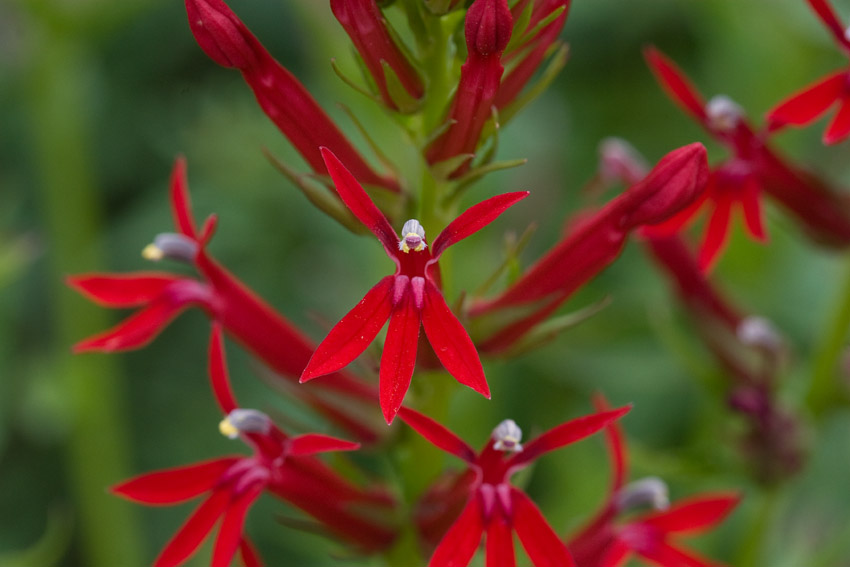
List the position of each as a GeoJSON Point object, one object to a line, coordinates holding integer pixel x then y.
{"type": "Point", "coordinates": [226, 428]}
{"type": "Point", "coordinates": [152, 252]}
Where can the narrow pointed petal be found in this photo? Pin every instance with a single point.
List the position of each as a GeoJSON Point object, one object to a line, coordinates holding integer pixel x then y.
{"type": "Point", "coordinates": [839, 127]}
{"type": "Point", "coordinates": [695, 514]}
{"type": "Point", "coordinates": [806, 105]}
{"type": "Point", "coordinates": [399, 356]}
{"type": "Point", "coordinates": [230, 534]}
{"type": "Point", "coordinates": [312, 443]}
{"type": "Point", "coordinates": [544, 547]}
{"type": "Point", "coordinates": [181, 205]}
{"type": "Point", "coordinates": [753, 211]}
{"type": "Point", "coordinates": [359, 202]}
{"type": "Point", "coordinates": [827, 15]}
{"type": "Point", "coordinates": [674, 82]}
{"type": "Point", "coordinates": [451, 342]}
{"type": "Point", "coordinates": [500, 544]}
{"type": "Point", "coordinates": [126, 290]}
{"type": "Point", "coordinates": [716, 235]}
{"type": "Point", "coordinates": [134, 332]}
{"type": "Point", "coordinates": [666, 555]}
{"type": "Point", "coordinates": [249, 554]}
{"type": "Point", "coordinates": [564, 434]}
{"type": "Point", "coordinates": [186, 541]}
{"type": "Point", "coordinates": [356, 331]}
{"type": "Point", "coordinates": [461, 541]}
{"type": "Point", "coordinates": [174, 485]}
{"type": "Point", "coordinates": [616, 446]}
{"type": "Point", "coordinates": [438, 435]}
{"type": "Point", "coordinates": [474, 219]}
{"type": "Point", "coordinates": [218, 372]}
{"type": "Point", "coordinates": [615, 555]}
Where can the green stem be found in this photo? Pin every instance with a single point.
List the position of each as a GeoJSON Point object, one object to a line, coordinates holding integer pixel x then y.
{"type": "Point", "coordinates": [753, 546]}
{"type": "Point", "coordinates": [824, 391]}
{"type": "Point", "coordinates": [60, 101]}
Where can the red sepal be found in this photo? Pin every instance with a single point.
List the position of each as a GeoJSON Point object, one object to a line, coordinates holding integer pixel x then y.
{"type": "Point", "coordinates": [678, 87]}
{"type": "Point", "coordinates": [461, 541]}
{"type": "Point", "coordinates": [695, 514]}
{"type": "Point", "coordinates": [716, 234]}
{"type": "Point", "coordinates": [438, 435]}
{"type": "Point", "coordinates": [544, 547]}
{"type": "Point", "coordinates": [190, 536]}
{"type": "Point", "coordinates": [399, 356]}
{"type": "Point", "coordinates": [230, 533]}
{"type": "Point", "coordinates": [806, 105]}
{"type": "Point", "coordinates": [127, 290]}
{"type": "Point", "coordinates": [176, 484]}
{"type": "Point", "coordinates": [312, 443]}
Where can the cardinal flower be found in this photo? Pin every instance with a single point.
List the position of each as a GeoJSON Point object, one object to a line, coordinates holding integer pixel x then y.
{"type": "Point", "coordinates": [162, 296]}
{"type": "Point", "coordinates": [409, 297]}
{"type": "Point", "coordinates": [815, 100]}
{"type": "Point", "coordinates": [494, 507]}
{"type": "Point", "coordinates": [283, 465]}
{"type": "Point", "coordinates": [608, 542]}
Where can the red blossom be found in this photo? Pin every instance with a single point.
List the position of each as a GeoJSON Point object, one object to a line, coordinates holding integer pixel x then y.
{"type": "Point", "coordinates": [367, 28]}
{"type": "Point", "coordinates": [280, 464]}
{"type": "Point", "coordinates": [162, 296]}
{"type": "Point", "coordinates": [813, 101]}
{"type": "Point", "coordinates": [493, 506]}
{"type": "Point", "coordinates": [593, 243]}
{"type": "Point", "coordinates": [488, 31]}
{"type": "Point", "coordinates": [409, 297]}
{"type": "Point", "coordinates": [753, 168]}
{"type": "Point", "coordinates": [226, 40]}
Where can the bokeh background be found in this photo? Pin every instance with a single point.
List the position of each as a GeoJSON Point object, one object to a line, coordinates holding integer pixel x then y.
{"type": "Point", "coordinates": [98, 98]}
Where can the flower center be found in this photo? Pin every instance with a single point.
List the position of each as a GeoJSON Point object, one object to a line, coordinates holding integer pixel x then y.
{"type": "Point", "coordinates": [507, 436]}
{"type": "Point", "coordinates": [412, 237]}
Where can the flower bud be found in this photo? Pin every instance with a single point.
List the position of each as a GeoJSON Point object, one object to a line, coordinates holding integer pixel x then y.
{"type": "Point", "coordinates": [488, 27]}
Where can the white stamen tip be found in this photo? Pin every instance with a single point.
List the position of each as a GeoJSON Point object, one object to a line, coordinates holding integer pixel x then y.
{"type": "Point", "coordinates": [847, 34]}
{"type": "Point", "coordinates": [412, 237]}
{"type": "Point", "coordinates": [723, 113]}
{"type": "Point", "coordinates": [507, 436]}
{"type": "Point", "coordinates": [650, 491]}
{"type": "Point", "coordinates": [759, 332]}
{"type": "Point", "coordinates": [244, 421]}
{"type": "Point", "coordinates": [173, 246]}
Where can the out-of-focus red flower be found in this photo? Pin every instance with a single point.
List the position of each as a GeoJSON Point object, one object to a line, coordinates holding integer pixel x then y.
{"type": "Point", "coordinates": [606, 541]}
{"type": "Point", "coordinates": [488, 31]}
{"type": "Point", "coordinates": [367, 28]}
{"type": "Point", "coordinates": [493, 506]}
{"type": "Point", "coordinates": [283, 465]}
{"type": "Point", "coordinates": [595, 241]}
{"type": "Point", "coordinates": [753, 168]}
{"type": "Point", "coordinates": [807, 105]}
{"type": "Point", "coordinates": [408, 298]}
{"type": "Point", "coordinates": [226, 40]}
{"type": "Point", "coordinates": [162, 296]}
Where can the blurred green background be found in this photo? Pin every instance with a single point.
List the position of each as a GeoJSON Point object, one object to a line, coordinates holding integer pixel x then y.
{"type": "Point", "coordinates": [97, 99]}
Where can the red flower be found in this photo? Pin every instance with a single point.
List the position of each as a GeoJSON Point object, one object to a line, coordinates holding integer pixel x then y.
{"type": "Point", "coordinates": [280, 464]}
{"type": "Point", "coordinates": [408, 297]}
{"type": "Point", "coordinates": [596, 241]}
{"type": "Point", "coordinates": [814, 100]}
{"type": "Point", "coordinates": [367, 28]}
{"type": "Point", "coordinates": [494, 506]}
{"type": "Point", "coordinates": [226, 40]}
{"type": "Point", "coordinates": [754, 167]}
{"type": "Point", "coordinates": [606, 543]}
{"type": "Point", "coordinates": [488, 31]}
{"type": "Point", "coordinates": [162, 296]}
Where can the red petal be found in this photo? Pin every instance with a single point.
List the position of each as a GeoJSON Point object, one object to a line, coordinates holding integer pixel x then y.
{"type": "Point", "coordinates": [666, 555]}
{"type": "Point", "coordinates": [461, 541]}
{"type": "Point", "coordinates": [500, 544]}
{"type": "Point", "coordinates": [544, 547]}
{"type": "Point", "coordinates": [437, 434]}
{"type": "Point", "coordinates": [806, 105]}
{"type": "Point", "coordinates": [716, 235]}
{"type": "Point", "coordinates": [615, 555]}
{"type": "Point", "coordinates": [564, 434]}
{"type": "Point", "coordinates": [127, 290]}
{"type": "Point", "coordinates": [474, 219]}
{"type": "Point", "coordinates": [181, 205]}
{"type": "Point", "coordinates": [399, 356]}
{"type": "Point", "coordinates": [313, 443]}
{"type": "Point", "coordinates": [186, 541]}
{"type": "Point", "coordinates": [218, 373]}
{"type": "Point", "coordinates": [678, 87]}
{"type": "Point", "coordinates": [135, 331]}
{"type": "Point", "coordinates": [839, 127]}
{"type": "Point", "coordinates": [753, 213]}
{"type": "Point", "coordinates": [451, 343]}
{"type": "Point", "coordinates": [359, 203]}
{"type": "Point", "coordinates": [695, 514]}
{"type": "Point", "coordinates": [353, 333]}
{"type": "Point", "coordinates": [828, 17]}
{"type": "Point", "coordinates": [249, 554]}
{"type": "Point", "coordinates": [174, 485]}
{"type": "Point", "coordinates": [616, 445]}
{"type": "Point", "coordinates": [230, 533]}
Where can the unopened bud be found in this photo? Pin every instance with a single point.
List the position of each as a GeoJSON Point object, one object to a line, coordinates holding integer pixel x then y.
{"type": "Point", "coordinates": [647, 492]}
{"type": "Point", "coordinates": [507, 436]}
{"type": "Point", "coordinates": [488, 27]}
{"type": "Point", "coordinates": [244, 421]}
